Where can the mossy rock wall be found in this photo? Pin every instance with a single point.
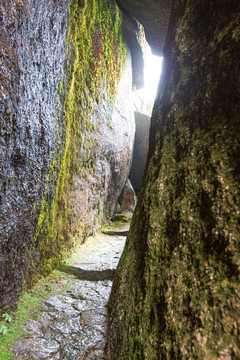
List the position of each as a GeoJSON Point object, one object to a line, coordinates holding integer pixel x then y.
{"type": "Point", "coordinates": [65, 149]}
{"type": "Point", "coordinates": [176, 291]}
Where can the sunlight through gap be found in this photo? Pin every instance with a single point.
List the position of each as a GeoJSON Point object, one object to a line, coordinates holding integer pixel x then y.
{"type": "Point", "coordinates": [144, 98]}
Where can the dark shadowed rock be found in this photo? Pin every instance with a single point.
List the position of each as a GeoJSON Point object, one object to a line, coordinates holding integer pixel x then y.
{"type": "Point", "coordinates": [134, 35]}
{"type": "Point", "coordinates": [176, 289]}
{"type": "Point", "coordinates": [154, 16]}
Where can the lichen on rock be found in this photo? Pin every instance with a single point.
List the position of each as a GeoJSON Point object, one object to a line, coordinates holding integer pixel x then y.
{"type": "Point", "coordinates": [62, 169]}
{"type": "Point", "coordinates": [176, 291]}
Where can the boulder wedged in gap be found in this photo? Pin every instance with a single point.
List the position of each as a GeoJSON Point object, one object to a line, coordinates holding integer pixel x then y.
{"type": "Point", "coordinates": [140, 150]}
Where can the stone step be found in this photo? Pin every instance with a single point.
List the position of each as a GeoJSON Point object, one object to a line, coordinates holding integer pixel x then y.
{"type": "Point", "coordinates": [121, 229]}
{"type": "Point", "coordinates": [83, 273]}
{"type": "Point", "coordinates": [115, 232]}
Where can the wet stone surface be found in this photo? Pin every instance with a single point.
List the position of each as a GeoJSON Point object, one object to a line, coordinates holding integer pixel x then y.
{"type": "Point", "coordinates": [99, 257]}
{"type": "Point", "coordinates": [72, 324]}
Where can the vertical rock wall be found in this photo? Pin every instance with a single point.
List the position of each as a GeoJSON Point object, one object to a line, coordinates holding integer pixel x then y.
{"type": "Point", "coordinates": [176, 292]}
{"type": "Point", "coordinates": [140, 150]}
{"type": "Point", "coordinates": [66, 135]}
{"type": "Point", "coordinates": [33, 44]}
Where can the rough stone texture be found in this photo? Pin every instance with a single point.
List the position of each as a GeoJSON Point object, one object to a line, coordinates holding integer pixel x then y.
{"type": "Point", "coordinates": [66, 137]}
{"type": "Point", "coordinates": [176, 291]}
{"type": "Point", "coordinates": [98, 257]}
{"type": "Point", "coordinates": [33, 45]}
{"type": "Point", "coordinates": [116, 143]}
{"type": "Point", "coordinates": [140, 150]}
{"type": "Point", "coordinates": [72, 323]}
{"type": "Point", "coordinates": [97, 190]}
{"type": "Point", "coordinates": [154, 16]}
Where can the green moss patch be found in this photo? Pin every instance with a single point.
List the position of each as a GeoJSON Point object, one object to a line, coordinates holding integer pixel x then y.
{"type": "Point", "coordinates": [176, 291]}
{"type": "Point", "coordinates": [96, 56]}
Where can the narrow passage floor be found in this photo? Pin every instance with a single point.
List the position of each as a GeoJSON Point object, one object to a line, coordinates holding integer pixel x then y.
{"type": "Point", "coordinates": [72, 324]}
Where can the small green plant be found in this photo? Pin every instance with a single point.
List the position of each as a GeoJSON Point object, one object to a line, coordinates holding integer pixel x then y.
{"type": "Point", "coordinates": [3, 327]}
{"type": "Point", "coordinates": [7, 317]}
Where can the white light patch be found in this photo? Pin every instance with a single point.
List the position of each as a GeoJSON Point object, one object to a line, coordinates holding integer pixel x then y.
{"type": "Point", "coordinates": [152, 71]}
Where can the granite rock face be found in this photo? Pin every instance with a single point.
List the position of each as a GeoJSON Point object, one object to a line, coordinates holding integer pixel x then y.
{"type": "Point", "coordinates": [114, 141]}
{"type": "Point", "coordinates": [176, 291]}
{"type": "Point", "coordinates": [140, 151]}
{"type": "Point", "coordinates": [33, 44]}
{"type": "Point", "coordinates": [67, 130]}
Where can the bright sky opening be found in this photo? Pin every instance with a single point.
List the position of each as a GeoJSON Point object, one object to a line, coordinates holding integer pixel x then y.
{"type": "Point", "coordinates": [152, 71]}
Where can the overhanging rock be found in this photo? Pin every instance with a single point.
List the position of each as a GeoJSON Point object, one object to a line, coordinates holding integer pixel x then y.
{"type": "Point", "coordinates": [154, 16]}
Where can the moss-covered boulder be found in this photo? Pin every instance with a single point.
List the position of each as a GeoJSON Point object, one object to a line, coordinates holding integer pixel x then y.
{"type": "Point", "coordinates": [176, 292]}
{"type": "Point", "coordinates": [67, 129]}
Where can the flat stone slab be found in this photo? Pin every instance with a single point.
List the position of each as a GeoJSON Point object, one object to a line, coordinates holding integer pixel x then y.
{"type": "Point", "coordinates": [100, 253]}
{"type": "Point", "coordinates": [73, 324]}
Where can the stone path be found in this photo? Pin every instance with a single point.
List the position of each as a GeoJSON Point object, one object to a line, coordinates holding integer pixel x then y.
{"type": "Point", "coordinates": [72, 324]}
